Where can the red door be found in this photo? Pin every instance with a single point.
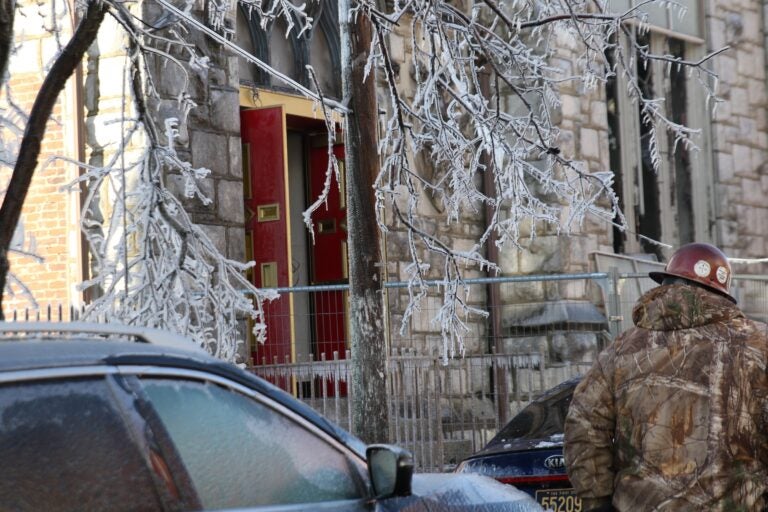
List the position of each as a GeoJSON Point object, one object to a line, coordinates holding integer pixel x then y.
{"type": "Point", "coordinates": [263, 137]}
{"type": "Point", "coordinates": [329, 262]}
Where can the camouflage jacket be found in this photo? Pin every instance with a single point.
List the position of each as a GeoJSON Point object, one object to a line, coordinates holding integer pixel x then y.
{"type": "Point", "coordinates": [673, 415]}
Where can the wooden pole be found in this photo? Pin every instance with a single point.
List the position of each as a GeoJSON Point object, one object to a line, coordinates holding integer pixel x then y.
{"type": "Point", "coordinates": [368, 372]}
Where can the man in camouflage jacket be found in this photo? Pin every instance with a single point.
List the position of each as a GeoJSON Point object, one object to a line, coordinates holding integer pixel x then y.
{"type": "Point", "coordinates": [673, 415]}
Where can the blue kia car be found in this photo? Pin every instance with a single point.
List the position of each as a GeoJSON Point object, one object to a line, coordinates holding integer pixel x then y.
{"type": "Point", "coordinates": [528, 452]}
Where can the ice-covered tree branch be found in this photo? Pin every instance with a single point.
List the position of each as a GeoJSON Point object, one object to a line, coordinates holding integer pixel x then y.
{"type": "Point", "coordinates": [154, 265]}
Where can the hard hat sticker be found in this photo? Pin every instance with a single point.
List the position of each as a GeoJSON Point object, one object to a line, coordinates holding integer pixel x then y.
{"type": "Point", "coordinates": [722, 275]}
{"type": "Point", "coordinates": [702, 268]}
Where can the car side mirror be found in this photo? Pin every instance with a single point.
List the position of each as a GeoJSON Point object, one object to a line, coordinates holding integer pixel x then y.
{"type": "Point", "coordinates": [391, 470]}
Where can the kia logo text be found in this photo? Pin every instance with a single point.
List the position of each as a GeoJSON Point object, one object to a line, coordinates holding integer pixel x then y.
{"type": "Point", "coordinates": [554, 462]}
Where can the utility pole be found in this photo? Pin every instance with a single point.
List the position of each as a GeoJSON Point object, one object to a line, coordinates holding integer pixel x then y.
{"type": "Point", "coordinates": [369, 356]}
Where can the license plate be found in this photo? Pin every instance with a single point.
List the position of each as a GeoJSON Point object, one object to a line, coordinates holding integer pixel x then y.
{"type": "Point", "coordinates": [559, 500]}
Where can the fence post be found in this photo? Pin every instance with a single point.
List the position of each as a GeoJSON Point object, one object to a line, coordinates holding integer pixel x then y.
{"type": "Point", "coordinates": [438, 426]}
{"type": "Point", "coordinates": [613, 304]}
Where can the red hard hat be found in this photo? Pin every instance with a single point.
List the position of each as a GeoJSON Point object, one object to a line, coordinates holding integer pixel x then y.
{"type": "Point", "coordinates": [702, 263]}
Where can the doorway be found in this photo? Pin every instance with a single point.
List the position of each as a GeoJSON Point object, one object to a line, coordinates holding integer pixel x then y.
{"type": "Point", "coordinates": [285, 157]}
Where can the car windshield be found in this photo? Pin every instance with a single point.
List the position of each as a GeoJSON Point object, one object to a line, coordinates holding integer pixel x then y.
{"type": "Point", "coordinates": [541, 419]}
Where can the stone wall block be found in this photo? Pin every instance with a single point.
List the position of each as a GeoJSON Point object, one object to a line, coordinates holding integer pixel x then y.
{"type": "Point", "coordinates": [745, 61]}
{"type": "Point", "coordinates": [530, 344]}
{"type": "Point", "coordinates": [233, 72]}
{"type": "Point", "coordinates": [170, 80]}
{"type": "Point", "coordinates": [225, 110]}
{"type": "Point", "coordinates": [422, 320]}
{"type": "Point", "coordinates": [757, 158]}
{"type": "Point", "coordinates": [754, 245]}
{"type": "Point", "coordinates": [397, 47]}
{"type": "Point", "coordinates": [742, 160]}
{"type": "Point", "coordinates": [111, 73]}
{"type": "Point", "coordinates": [543, 256]}
{"type": "Point", "coordinates": [747, 129]}
{"type": "Point", "coordinates": [751, 29]}
{"type": "Point", "coordinates": [235, 157]}
{"type": "Point", "coordinates": [26, 59]}
{"type": "Point", "coordinates": [578, 250]}
{"type": "Point", "coordinates": [574, 346]}
{"type": "Point", "coordinates": [569, 106]}
{"type": "Point", "coordinates": [509, 260]}
{"type": "Point", "coordinates": [236, 243]}
{"type": "Point", "coordinates": [598, 113]}
{"type": "Point", "coordinates": [210, 150]}
{"type": "Point", "coordinates": [726, 67]}
{"type": "Point", "coordinates": [729, 234]}
{"type": "Point", "coordinates": [217, 234]}
{"type": "Point", "coordinates": [176, 184]}
{"type": "Point", "coordinates": [754, 220]}
{"type": "Point", "coordinates": [726, 197]}
{"type": "Point", "coordinates": [717, 32]}
{"type": "Point", "coordinates": [229, 201]}
{"type": "Point", "coordinates": [573, 289]}
{"type": "Point", "coordinates": [217, 77]}
{"type": "Point", "coordinates": [723, 111]}
{"type": "Point", "coordinates": [567, 143]}
{"type": "Point", "coordinates": [100, 131]}
{"type": "Point", "coordinates": [740, 101]}
{"type": "Point", "coordinates": [752, 192]}
{"type": "Point", "coordinates": [725, 167]}
{"type": "Point", "coordinates": [166, 110]}
{"type": "Point", "coordinates": [756, 92]}
{"type": "Point", "coordinates": [111, 40]}
{"type": "Point", "coordinates": [522, 292]}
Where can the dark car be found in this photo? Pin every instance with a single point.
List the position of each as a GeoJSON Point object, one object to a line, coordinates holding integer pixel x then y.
{"type": "Point", "coordinates": [96, 424]}
{"type": "Point", "coordinates": [528, 451]}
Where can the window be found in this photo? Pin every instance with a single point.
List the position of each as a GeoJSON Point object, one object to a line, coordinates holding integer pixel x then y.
{"type": "Point", "coordinates": [290, 55]}
{"type": "Point", "coordinates": [671, 205]}
{"type": "Point", "coordinates": [242, 453]}
{"type": "Point", "coordinates": [64, 446]}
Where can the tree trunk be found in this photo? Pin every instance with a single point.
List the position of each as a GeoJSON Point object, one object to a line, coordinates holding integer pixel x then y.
{"type": "Point", "coordinates": [369, 352]}
{"type": "Point", "coordinates": [29, 149]}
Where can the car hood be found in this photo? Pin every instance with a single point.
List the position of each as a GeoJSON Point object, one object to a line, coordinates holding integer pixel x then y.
{"type": "Point", "coordinates": [460, 492]}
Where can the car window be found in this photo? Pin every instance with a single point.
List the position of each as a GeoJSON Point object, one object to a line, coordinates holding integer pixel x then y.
{"type": "Point", "coordinates": [539, 420]}
{"type": "Point", "coordinates": [64, 446]}
{"type": "Point", "coordinates": [242, 453]}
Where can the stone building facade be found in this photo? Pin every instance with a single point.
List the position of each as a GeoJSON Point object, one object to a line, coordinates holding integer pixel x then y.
{"type": "Point", "coordinates": [716, 194]}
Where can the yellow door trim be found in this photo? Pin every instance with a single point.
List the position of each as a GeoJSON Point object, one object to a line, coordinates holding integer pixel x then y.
{"type": "Point", "coordinates": [295, 105]}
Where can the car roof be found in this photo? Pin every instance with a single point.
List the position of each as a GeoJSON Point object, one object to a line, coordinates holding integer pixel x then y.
{"type": "Point", "coordinates": [40, 352]}
{"type": "Point", "coordinates": [34, 353]}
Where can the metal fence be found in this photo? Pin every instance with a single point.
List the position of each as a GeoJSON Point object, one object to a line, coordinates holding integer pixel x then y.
{"type": "Point", "coordinates": [547, 332]}
{"type": "Point", "coordinates": [544, 330]}
{"type": "Point", "coordinates": [441, 412]}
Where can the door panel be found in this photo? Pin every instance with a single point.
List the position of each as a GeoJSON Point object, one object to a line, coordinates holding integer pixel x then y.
{"type": "Point", "coordinates": [329, 257]}
{"type": "Point", "coordinates": [263, 136]}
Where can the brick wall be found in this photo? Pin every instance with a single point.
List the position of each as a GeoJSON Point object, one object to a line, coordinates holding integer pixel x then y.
{"type": "Point", "coordinates": [49, 214]}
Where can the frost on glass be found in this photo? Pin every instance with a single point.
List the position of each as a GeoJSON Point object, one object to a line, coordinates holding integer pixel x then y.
{"type": "Point", "coordinates": [64, 447]}
{"type": "Point", "coordinates": [240, 453]}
